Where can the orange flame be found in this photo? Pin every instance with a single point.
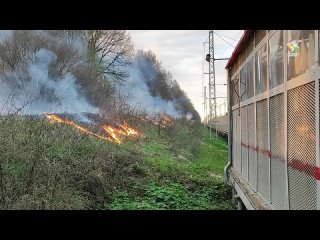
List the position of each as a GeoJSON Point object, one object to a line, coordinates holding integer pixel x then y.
{"type": "Point", "coordinates": [164, 122]}
{"type": "Point", "coordinates": [167, 120]}
{"type": "Point", "coordinates": [128, 130]}
{"type": "Point", "coordinates": [111, 131]}
{"type": "Point", "coordinates": [115, 134]}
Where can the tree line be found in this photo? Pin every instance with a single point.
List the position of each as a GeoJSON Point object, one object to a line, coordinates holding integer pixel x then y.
{"type": "Point", "coordinates": [98, 59]}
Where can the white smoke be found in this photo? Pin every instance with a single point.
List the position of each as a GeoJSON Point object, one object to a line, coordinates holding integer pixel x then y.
{"type": "Point", "coordinates": [189, 116]}
{"type": "Point", "coordinates": [5, 34]}
{"type": "Point", "coordinates": [139, 95]}
{"type": "Point", "coordinates": [32, 88]}
{"type": "Point", "coordinates": [40, 92]}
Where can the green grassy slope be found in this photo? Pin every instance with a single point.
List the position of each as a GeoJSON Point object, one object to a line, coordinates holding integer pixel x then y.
{"type": "Point", "coordinates": [189, 177]}
{"type": "Point", "coordinates": [54, 166]}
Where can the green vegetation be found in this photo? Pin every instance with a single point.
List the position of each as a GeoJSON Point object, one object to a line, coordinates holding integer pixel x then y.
{"type": "Point", "coordinates": [184, 169]}
{"type": "Point", "coordinates": [54, 166]}
{"type": "Point", "coordinates": [174, 196]}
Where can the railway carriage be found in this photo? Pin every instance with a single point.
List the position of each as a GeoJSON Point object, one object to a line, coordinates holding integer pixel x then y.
{"type": "Point", "coordinates": [273, 105]}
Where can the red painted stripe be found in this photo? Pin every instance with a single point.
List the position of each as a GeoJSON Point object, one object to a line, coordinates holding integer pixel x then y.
{"type": "Point", "coordinates": [317, 173]}
{"type": "Point", "coordinates": [308, 169]}
{"type": "Point", "coordinates": [269, 153]}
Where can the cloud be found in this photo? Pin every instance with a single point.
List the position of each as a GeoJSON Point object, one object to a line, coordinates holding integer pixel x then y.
{"type": "Point", "coordinates": [181, 52]}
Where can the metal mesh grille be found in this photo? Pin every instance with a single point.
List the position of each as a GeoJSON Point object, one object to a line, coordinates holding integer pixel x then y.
{"type": "Point", "coordinates": [258, 36]}
{"type": "Point", "coordinates": [238, 142]}
{"type": "Point", "coordinates": [250, 45]}
{"type": "Point", "coordinates": [244, 143]}
{"type": "Point", "coordinates": [242, 57]}
{"type": "Point", "coordinates": [234, 67]}
{"type": "Point", "coordinates": [237, 63]}
{"type": "Point", "coordinates": [302, 147]}
{"type": "Point", "coordinates": [235, 141]}
{"type": "Point", "coordinates": [233, 70]}
{"type": "Point", "coordinates": [251, 143]}
{"type": "Point", "coordinates": [278, 166]}
{"type": "Point", "coordinates": [262, 148]}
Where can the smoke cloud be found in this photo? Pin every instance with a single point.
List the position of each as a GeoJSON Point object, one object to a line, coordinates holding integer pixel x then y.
{"type": "Point", "coordinates": [139, 95]}
{"type": "Point", "coordinates": [36, 77]}
{"type": "Point", "coordinates": [35, 91]}
{"type": "Point", "coordinates": [5, 34]}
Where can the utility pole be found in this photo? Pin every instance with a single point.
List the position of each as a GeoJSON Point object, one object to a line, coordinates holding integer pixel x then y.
{"type": "Point", "coordinates": [212, 82]}
{"type": "Point", "coordinates": [205, 106]}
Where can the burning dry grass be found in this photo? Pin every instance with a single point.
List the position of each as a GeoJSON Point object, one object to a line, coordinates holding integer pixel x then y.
{"type": "Point", "coordinates": [55, 166]}
{"type": "Point", "coordinates": [114, 134]}
{"type": "Point", "coordinates": [57, 162]}
{"type": "Point", "coordinates": [163, 120]}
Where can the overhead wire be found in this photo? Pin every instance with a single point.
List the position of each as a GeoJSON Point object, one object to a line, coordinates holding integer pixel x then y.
{"type": "Point", "coordinates": [225, 40]}
{"type": "Point", "coordinates": [228, 47]}
{"type": "Point", "coordinates": [225, 36]}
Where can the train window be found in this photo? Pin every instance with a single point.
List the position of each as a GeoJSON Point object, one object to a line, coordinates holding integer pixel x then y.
{"type": "Point", "coordinates": [261, 69]}
{"type": "Point", "coordinates": [276, 59]}
{"type": "Point", "coordinates": [250, 83]}
{"type": "Point", "coordinates": [301, 51]}
{"type": "Point", "coordinates": [243, 83]}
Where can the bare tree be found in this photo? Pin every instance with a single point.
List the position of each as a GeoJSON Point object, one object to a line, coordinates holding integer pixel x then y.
{"type": "Point", "coordinates": [109, 51]}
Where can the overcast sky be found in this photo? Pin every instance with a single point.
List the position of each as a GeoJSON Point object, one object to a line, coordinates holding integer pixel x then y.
{"type": "Point", "coordinates": [182, 53]}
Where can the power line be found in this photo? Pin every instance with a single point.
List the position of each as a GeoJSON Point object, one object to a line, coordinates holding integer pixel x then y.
{"type": "Point", "coordinates": [228, 47]}
{"type": "Point", "coordinates": [206, 40]}
{"type": "Point", "coordinates": [226, 36]}
{"type": "Point", "coordinates": [212, 82]}
{"type": "Point", "coordinates": [225, 41]}
{"type": "Point", "coordinates": [225, 50]}
{"type": "Point", "coordinates": [239, 32]}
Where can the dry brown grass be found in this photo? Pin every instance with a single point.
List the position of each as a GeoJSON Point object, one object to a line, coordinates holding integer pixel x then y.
{"type": "Point", "coordinates": [53, 166]}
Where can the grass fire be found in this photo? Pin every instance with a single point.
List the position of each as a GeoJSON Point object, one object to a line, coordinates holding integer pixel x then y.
{"type": "Point", "coordinates": [114, 134]}
{"type": "Point", "coordinates": [87, 122]}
